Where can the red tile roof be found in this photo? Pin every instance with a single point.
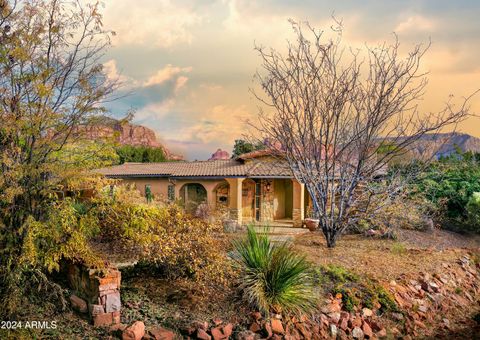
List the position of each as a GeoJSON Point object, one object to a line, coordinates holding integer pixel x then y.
{"type": "Point", "coordinates": [215, 168]}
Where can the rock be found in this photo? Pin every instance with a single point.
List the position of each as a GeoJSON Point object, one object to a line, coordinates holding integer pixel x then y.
{"type": "Point", "coordinates": [102, 320]}
{"type": "Point", "coordinates": [117, 329]}
{"type": "Point", "coordinates": [268, 329]}
{"type": "Point", "coordinates": [202, 335]}
{"type": "Point", "coordinates": [357, 333]}
{"type": "Point", "coordinates": [96, 309]}
{"type": "Point", "coordinates": [371, 233]}
{"type": "Point", "coordinates": [343, 324]}
{"type": "Point", "coordinates": [134, 332]}
{"type": "Point", "coordinates": [333, 330]}
{"type": "Point", "coordinates": [200, 324]}
{"type": "Point", "coordinates": [356, 322]}
{"type": "Point", "coordinates": [217, 322]}
{"type": "Point", "coordinates": [161, 333]}
{"type": "Point", "coordinates": [367, 330]}
{"type": "Point", "coordinates": [256, 316]}
{"type": "Point", "coordinates": [433, 286]}
{"type": "Point", "coordinates": [397, 316]}
{"type": "Point", "coordinates": [227, 330]}
{"type": "Point", "coordinates": [422, 308]}
{"type": "Point", "coordinates": [334, 317]}
{"type": "Point", "coordinates": [254, 327]}
{"type": "Point", "coordinates": [277, 326]}
{"type": "Point", "coordinates": [78, 304]}
{"type": "Point", "coordinates": [219, 154]}
{"type": "Point", "coordinates": [382, 333]}
{"type": "Point", "coordinates": [113, 303]}
{"type": "Point", "coordinates": [245, 335]}
{"type": "Point", "coordinates": [217, 333]}
{"type": "Point", "coordinates": [366, 312]}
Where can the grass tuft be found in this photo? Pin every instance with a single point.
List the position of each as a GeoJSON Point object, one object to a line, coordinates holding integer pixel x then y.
{"type": "Point", "coordinates": [273, 276]}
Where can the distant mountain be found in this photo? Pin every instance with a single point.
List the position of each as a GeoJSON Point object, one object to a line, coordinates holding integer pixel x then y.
{"type": "Point", "coordinates": [127, 134]}
{"type": "Point", "coordinates": [444, 144]}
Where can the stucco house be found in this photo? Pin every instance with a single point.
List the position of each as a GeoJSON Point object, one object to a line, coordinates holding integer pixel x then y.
{"type": "Point", "coordinates": [252, 188]}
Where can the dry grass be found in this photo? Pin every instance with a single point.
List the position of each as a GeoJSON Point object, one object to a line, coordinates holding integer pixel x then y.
{"type": "Point", "coordinates": [384, 260]}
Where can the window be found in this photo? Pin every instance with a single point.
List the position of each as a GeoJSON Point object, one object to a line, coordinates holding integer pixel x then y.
{"type": "Point", "coordinates": [171, 192]}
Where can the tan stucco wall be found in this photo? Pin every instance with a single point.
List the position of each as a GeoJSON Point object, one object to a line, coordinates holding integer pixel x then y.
{"type": "Point", "coordinates": [159, 186]}
{"type": "Point", "coordinates": [273, 202]}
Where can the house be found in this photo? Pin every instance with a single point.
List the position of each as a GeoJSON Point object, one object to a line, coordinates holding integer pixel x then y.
{"type": "Point", "coordinates": [253, 188]}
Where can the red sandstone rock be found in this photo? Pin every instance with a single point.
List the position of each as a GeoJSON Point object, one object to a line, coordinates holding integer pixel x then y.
{"type": "Point", "coordinates": [256, 316]}
{"type": "Point", "coordinates": [134, 332]}
{"type": "Point", "coordinates": [161, 333]}
{"type": "Point", "coordinates": [255, 327]}
{"type": "Point", "coordinates": [277, 326]}
{"type": "Point", "coordinates": [217, 333]}
{"type": "Point", "coordinates": [268, 329]}
{"type": "Point", "coordinates": [202, 335]}
{"type": "Point", "coordinates": [382, 333]}
{"type": "Point", "coordinates": [78, 304]}
{"type": "Point", "coordinates": [102, 320]}
{"type": "Point", "coordinates": [367, 331]}
{"type": "Point", "coordinates": [228, 330]}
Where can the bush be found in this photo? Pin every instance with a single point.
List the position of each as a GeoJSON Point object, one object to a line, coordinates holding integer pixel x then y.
{"type": "Point", "coordinates": [473, 211]}
{"type": "Point", "coordinates": [163, 236]}
{"type": "Point", "coordinates": [449, 185]}
{"type": "Point", "coordinates": [356, 292]}
{"type": "Point", "coordinates": [273, 276]}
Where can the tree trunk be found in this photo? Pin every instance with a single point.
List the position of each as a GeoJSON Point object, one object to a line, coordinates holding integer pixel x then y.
{"type": "Point", "coordinates": [330, 236]}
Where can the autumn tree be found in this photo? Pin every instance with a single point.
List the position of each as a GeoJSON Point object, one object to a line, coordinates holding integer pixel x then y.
{"type": "Point", "coordinates": [334, 108]}
{"type": "Point", "coordinates": [51, 84]}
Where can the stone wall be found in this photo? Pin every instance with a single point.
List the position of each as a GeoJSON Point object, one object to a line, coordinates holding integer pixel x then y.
{"type": "Point", "coordinates": [96, 293]}
{"type": "Point", "coordinates": [266, 207]}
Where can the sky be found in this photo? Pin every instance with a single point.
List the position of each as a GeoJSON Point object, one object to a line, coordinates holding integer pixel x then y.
{"type": "Point", "coordinates": [187, 66]}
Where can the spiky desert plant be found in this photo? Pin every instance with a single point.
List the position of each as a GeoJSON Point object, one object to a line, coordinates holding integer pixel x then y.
{"type": "Point", "coordinates": [273, 276]}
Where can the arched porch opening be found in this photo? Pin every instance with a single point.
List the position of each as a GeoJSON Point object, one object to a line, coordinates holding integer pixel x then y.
{"type": "Point", "coordinates": [192, 195]}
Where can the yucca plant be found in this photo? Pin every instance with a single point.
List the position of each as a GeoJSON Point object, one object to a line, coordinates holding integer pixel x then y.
{"type": "Point", "coordinates": [273, 276]}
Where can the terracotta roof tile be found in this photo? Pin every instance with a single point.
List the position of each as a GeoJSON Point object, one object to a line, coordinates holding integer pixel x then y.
{"type": "Point", "coordinates": [214, 168]}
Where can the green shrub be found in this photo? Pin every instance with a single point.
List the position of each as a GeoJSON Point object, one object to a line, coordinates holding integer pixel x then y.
{"type": "Point", "coordinates": [355, 291]}
{"type": "Point", "coordinates": [449, 185]}
{"type": "Point", "coordinates": [273, 276]}
{"type": "Point", "coordinates": [473, 211]}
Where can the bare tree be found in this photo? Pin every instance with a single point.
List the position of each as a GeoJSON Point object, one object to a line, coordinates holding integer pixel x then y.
{"type": "Point", "coordinates": [341, 114]}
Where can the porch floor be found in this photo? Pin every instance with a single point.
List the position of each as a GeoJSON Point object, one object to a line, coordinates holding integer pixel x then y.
{"type": "Point", "coordinates": [284, 223]}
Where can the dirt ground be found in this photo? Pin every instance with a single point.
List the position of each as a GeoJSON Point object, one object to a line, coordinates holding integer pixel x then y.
{"type": "Point", "coordinates": [385, 260]}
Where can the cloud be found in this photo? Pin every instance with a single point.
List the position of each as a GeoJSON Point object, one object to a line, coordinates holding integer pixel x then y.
{"type": "Point", "coordinates": [168, 73]}
{"type": "Point", "coordinates": [153, 23]}
{"type": "Point", "coordinates": [415, 23]}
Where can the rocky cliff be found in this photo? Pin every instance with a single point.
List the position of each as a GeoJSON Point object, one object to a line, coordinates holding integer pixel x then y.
{"type": "Point", "coordinates": [128, 134]}
{"type": "Point", "coordinates": [444, 144]}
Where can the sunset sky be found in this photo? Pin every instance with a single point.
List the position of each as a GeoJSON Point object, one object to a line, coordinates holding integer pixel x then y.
{"type": "Point", "coordinates": [188, 65]}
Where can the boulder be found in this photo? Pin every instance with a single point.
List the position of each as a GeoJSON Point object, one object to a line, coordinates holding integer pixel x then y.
{"type": "Point", "coordinates": [78, 304]}
{"type": "Point", "coordinates": [161, 333]}
{"type": "Point", "coordinates": [134, 332]}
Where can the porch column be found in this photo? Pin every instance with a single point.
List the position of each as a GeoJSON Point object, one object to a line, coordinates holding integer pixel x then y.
{"type": "Point", "coordinates": [298, 213]}
{"type": "Point", "coordinates": [235, 199]}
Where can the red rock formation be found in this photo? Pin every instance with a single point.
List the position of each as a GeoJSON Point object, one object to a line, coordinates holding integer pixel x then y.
{"type": "Point", "coordinates": [128, 134]}
{"type": "Point", "coordinates": [219, 154]}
